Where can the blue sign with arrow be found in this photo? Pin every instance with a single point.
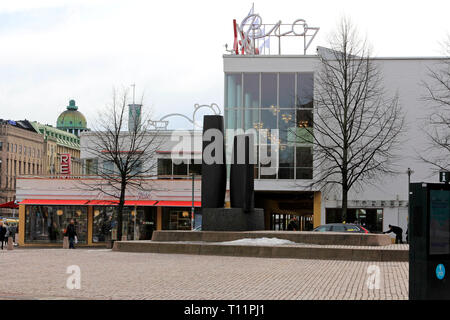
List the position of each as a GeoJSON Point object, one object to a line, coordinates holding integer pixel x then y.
{"type": "Point", "coordinates": [440, 271]}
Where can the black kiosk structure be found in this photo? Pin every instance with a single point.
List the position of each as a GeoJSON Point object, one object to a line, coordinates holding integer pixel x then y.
{"type": "Point", "coordinates": [429, 238]}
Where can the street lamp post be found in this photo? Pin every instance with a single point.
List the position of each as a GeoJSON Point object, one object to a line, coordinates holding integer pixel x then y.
{"type": "Point", "coordinates": [408, 172]}
{"type": "Point", "coordinates": [193, 206]}
{"type": "Point", "coordinates": [135, 217]}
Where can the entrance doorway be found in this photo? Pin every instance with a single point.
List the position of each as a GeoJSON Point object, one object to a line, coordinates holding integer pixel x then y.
{"type": "Point", "coordinates": [145, 223]}
{"type": "Point", "coordinates": [280, 221]}
{"type": "Point", "coordinates": [281, 206]}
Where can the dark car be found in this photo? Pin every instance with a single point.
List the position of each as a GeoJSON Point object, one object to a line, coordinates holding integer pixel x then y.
{"type": "Point", "coordinates": [341, 227]}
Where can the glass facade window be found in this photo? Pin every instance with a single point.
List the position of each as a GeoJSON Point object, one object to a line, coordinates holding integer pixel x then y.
{"type": "Point", "coordinates": [47, 224]}
{"type": "Point", "coordinates": [234, 90]}
{"type": "Point", "coordinates": [176, 218]}
{"type": "Point", "coordinates": [287, 90]}
{"type": "Point", "coordinates": [305, 90]}
{"type": "Point", "coordinates": [269, 119]}
{"type": "Point", "coordinates": [180, 169]}
{"type": "Point", "coordinates": [251, 119]}
{"type": "Point", "coordinates": [105, 222]}
{"type": "Point", "coordinates": [251, 90]}
{"type": "Point", "coordinates": [269, 85]}
{"type": "Point", "coordinates": [108, 167]}
{"type": "Point", "coordinates": [282, 101]}
{"type": "Point", "coordinates": [286, 126]}
{"type": "Point", "coordinates": [304, 163]}
{"type": "Point", "coordinates": [91, 166]}
{"type": "Point", "coordinates": [164, 167]}
{"type": "Point", "coordinates": [286, 162]}
{"type": "Point", "coordinates": [195, 168]}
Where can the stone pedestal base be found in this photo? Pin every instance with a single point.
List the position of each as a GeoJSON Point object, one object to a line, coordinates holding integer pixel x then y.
{"type": "Point", "coordinates": [66, 243]}
{"type": "Point", "coordinates": [232, 219]}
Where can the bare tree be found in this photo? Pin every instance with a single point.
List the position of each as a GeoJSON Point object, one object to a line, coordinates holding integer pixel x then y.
{"type": "Point", "coordinates": [356, 126]}
{"type": "Point", "coordinates": [437, 127]}
{"type": "Point", "coordinates": [125, 152]}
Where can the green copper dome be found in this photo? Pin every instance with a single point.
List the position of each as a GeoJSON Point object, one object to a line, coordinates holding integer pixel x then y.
{"type": "Point", "coordinates": [72, 120]}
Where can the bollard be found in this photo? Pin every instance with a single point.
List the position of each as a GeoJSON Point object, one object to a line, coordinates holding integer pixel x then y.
{"type": "Point", "coordinates": [66, 243]}
{"type": "Point", "coordinates": [10, 243]}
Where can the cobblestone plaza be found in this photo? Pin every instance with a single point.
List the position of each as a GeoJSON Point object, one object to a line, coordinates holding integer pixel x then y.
{"type": "Point", "coordinates": [41, 274]}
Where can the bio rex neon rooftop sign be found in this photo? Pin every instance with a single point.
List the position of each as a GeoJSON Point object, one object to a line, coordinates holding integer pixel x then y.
{"type": "Point", "coordinates": [253, 37]}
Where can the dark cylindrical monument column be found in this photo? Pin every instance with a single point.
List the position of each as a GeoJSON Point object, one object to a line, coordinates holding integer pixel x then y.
{"type": "Point", "coordinates": [214, 176]}
{"type": "Point", "coordinates": [242, 173]}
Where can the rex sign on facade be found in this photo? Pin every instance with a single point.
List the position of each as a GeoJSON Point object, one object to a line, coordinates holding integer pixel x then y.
{"type": "Point", "coordinates": [65, 164]}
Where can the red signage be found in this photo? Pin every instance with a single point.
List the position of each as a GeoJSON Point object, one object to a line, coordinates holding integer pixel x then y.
{"type": "Point", "coordinates": [65, 165]}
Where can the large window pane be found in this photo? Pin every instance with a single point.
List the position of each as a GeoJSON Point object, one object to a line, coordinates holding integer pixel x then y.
{"type": "Point", "coordinates": [269, 118]}
{"type": "Point", "coordinates": [286, 156]}
{"type": "Point", "coordinates": [287, 90]}
{"type": "Point", "coordinates": [251, 90]}
{"type": "Point", "coordinates": [268, 162]}
{"type": "Point", "coordinates": [286, 124]}
{"type": "Point", "coordinates": [286, 173]}
{"type": "Point", "coordinates": [268, 90]}
{"type": "Point", "coordinates": [230, 118]}
{"type": "Point", "coordinates": [108, 167]}
{"type": "Point", "coordinates": [304, 173]}
{"type": "Point", "coordinates": [44, 224]}
{"type": "Point", "coordinates": [176, 218]}
{"type": "Point", "coordinates": [252, 119]}
{"type": "Point", "coordinates": [234, 90]}
{"type": "Point", "coordinates": [305, 90]}
{"type": "Point", "coordinates": [195, 168]}
{"type": "Point", "coordinates": [180, 169]}
{"type": "Point", "coordinates": [103, 223]}
{"type": "Point", "coordinates": [304, 157]}
{"type": "Point", "coordinates": [303, 133]}
{"type": "Point", "coordinates": [164, 167]}
{"type": "Point", "coordinates": [304, 118]}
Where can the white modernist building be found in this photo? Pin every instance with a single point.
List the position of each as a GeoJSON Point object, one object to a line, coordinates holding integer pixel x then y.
{"type": "Point", "coordinates": [276, 92]}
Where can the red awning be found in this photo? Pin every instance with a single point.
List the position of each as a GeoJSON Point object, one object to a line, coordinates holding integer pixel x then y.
{"type": "Point", "coordinates": [178, 204]}
{"type": "Point", "coordinates": [54, 202]}
{"type": "Point", "coordinates": [72, 202]}
{"type": "Point", "coordinates": [116, 202]}
{"type": "Point", "coordinates": [10, 205]}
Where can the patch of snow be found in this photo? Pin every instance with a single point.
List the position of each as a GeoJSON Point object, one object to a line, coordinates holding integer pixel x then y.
{"type": "Point", "coordinates": [259, 242]}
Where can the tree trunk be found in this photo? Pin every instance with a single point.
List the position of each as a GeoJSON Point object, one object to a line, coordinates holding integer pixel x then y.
{"type": "Point", "coordinates": [344, 202]}
{"type": "Point", "coordinates": [120, 211]}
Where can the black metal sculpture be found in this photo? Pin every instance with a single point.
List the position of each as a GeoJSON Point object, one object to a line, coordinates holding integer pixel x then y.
{"type": "Point", "coordinates": [242, 216]}
{"type": "Point", "coordinates": [214, 175]}
{"type": "Point", "coordinates": [242, 174]}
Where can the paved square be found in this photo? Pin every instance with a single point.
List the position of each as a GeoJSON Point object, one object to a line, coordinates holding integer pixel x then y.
{"type": "Point", "coordinates": [41, 274]}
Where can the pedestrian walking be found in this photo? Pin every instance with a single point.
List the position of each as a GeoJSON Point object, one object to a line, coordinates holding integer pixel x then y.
{"type": "Point", "coordinates": [2, 233]}
{"type": "Point", "coordinates": [71, 233]}
{"type": "Point", "coordinates": [293, 225]}
{"type": "Point", "coordinates": [7, 233]}
{"type": "Point", "coordinates": [398, 233]}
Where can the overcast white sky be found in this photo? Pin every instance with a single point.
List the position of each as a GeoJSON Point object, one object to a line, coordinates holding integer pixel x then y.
{"type": "Point", "coordinates": [56, 50]}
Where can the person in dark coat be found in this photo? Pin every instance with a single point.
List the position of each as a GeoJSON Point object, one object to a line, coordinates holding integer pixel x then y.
{"type": "Point", "coordinates": [2, 233]}
{"type": "Point", "coordinates": [293, 225]}
{"type": "Point", "coordinates": [71, 232]}
{"type": "Point", "coordinates": [398, 233]}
